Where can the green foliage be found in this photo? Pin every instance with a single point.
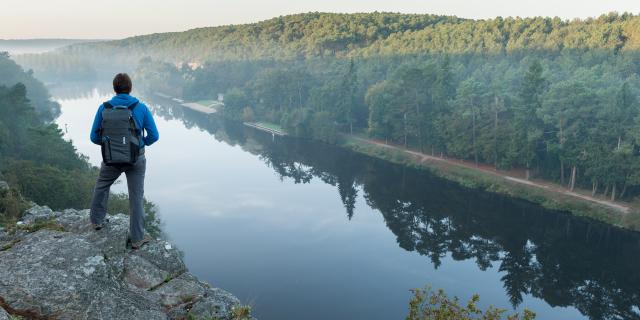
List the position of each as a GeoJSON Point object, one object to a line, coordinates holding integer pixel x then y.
{"type": "Point", "coordinates": [54, 66]}
{"type": "Point", "coordinates": [11, 206]}
{"type": "Point", "coordinates": [324, 128]}
{"type": "Point", "coordinates": [12, 74]}
{"type": "Point", "coordinates": [372, 34]}
{"type": "Point", "coordinates": [35, 159]}
{"type": "Point", "coordinates": [49, 185]}
{"type": "Point", "coordinates": [427, 304]}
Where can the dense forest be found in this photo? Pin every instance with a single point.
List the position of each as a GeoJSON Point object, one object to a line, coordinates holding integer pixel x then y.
{"type": "Point", "coordinates": [556, 98]}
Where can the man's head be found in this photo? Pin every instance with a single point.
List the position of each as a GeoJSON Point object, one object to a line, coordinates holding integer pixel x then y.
{"type": "Point", "coordinates": [122, 83]}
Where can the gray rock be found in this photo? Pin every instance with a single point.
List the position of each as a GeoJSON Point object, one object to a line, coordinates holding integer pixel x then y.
{"type": "Point", "coordinates": [4, 315]}
{"type": "Point", "coordinates": [163, 255]}
{"type": "Point", "coordinates": [216, 304]}
{"type": "Point", "coordinates": [142, 274]}
{"type": "Point", "coordinates": [181, 290]}
{"type": "Point", "coordinates": [81, 273]}
{"type": "Point", "coordinates": [36, 214]}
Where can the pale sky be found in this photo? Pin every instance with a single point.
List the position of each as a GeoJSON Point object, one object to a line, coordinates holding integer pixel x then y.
{"type": "Point", "coordinates": [91, 19]}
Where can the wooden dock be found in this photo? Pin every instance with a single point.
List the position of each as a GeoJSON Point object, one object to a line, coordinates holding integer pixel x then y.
{"type": "Point", "coordinates": [200, 108]}
{"type": "Point", "coordinates": [195, 106]}
{"type": "Point", "coordinates": [264, 128]}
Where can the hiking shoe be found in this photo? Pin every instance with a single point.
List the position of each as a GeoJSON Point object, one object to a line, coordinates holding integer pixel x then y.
{"type": "Point", "coordinates": [98, 226]}
{"type": "Point", "coordinates": [138, 244]}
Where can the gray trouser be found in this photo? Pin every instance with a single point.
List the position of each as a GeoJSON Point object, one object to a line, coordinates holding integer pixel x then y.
{"type": "Point", "coordinates": [135, 183]}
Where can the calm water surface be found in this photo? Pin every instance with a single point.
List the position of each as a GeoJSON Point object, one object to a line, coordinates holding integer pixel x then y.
{"type": "Point", "coordinates": [302, 230]}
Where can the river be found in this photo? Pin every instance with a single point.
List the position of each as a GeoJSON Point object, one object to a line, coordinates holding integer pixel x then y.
{"type": "Point", "coordinates": [303, 230]}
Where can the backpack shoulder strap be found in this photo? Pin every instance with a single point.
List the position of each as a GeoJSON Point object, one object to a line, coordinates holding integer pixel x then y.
{"type": "Point", "coordinates": [107, 105]}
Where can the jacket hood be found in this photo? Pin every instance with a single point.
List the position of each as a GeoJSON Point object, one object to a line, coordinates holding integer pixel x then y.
{"type": "Point", "coordinates": [123, 99]}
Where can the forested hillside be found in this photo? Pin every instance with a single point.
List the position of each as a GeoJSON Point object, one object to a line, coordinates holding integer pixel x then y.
{"type": "Point", "coordinates": [369, 34]}
{"type": "Point", "coordinates": [11, 73]}
{"type": "Point", "coordinates": [556, 98]}
{"type": "Point", "coordinates": [34, 158]}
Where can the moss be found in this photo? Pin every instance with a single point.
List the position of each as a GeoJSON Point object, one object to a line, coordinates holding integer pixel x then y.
{"type": "Point", "coordinates": [9, 245]}
{"type": "Point", "coordinates": [49, 224]}
{"type": "Point", "coordinates": [241, 312]}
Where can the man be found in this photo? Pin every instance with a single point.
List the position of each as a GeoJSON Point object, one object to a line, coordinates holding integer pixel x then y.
{"type": "Point", "coordinates": [134, 171]}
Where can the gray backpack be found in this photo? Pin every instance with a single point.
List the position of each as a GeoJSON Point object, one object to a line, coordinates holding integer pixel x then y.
{"type": "Point", "coordinates": [119, 135]}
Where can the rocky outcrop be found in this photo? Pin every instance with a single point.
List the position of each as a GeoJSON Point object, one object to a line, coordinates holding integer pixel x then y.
{"type": "Point", "coordinates": [57, 267]}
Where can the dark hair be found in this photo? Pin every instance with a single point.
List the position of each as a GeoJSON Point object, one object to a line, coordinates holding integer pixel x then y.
{"type": "Point", "coordinates": [122, 83]}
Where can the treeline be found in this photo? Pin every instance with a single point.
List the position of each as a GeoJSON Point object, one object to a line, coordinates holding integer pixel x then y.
{"type": "Point", "coordinates": [571, 117]}
{"type": "Point", "coordinates": [51, 67]}
{"type": "Point", "coordinates": [312, 35]}
{"type": "Point", "coordinates": [11, 74]}
{"type": "Point", "coordinates": [371, 34]}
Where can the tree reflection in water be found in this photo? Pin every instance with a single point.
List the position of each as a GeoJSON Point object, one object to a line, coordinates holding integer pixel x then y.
{"type": "Point", "coordinates": [563, 259]}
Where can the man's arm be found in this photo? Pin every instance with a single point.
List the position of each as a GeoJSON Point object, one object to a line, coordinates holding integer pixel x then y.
{"type": "Point", "coordinates": [150, 127]}
{"type": "Point", "coordinates": [95, 128]}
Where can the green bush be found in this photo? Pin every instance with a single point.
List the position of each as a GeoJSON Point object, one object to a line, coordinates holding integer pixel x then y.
{"type": "Point", "coordinates": [427, 304]}
{"type": "Point", "coordinates": [51, 186]}
{"type": "Point", "coordinates": [11, 206]}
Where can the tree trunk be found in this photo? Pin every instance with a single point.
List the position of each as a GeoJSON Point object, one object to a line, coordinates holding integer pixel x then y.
{"type": "Point", "coordinates": [495, 137]}
{"type": "Point", "coordinates": [419, 120]}
{"type": "Point", "coordinates": [405, 130]}
{"type": "Point", "coordinates": [624, 190]}
{"type": "Point", "coordinates": [562, 172]}
{"type": "Point", "coordinates": [613, 192]}
{"type": "Point", "coordinates": [527, 174]}
{"type": "Point", "coordinates": [606, 191]}
{"type": "Point", "coordinates": [475, 149]}
{"type": "Point", "coordinates": [594, 189]}
{"type": "Point", "coordinates": [573, 178]}
{"type": "Point", "coordinates": [619, 141]}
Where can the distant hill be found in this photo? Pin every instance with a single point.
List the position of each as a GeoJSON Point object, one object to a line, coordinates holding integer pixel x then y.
{"type": "Point", "coordinates": [15, 47]}
{"type": "Point", "coordinates": [369, 34]}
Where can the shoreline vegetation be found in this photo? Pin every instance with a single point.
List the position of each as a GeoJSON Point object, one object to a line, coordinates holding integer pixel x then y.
{"type": "Point", "coordinates": [545, 193]}
{"type": "Point", "coordinates": [512, 183]}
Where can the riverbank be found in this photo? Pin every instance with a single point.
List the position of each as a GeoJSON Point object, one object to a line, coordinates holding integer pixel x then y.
{"type": "Point", "coordinates": [53, 265]}
{"type": "Point", "coordinates": [545, 193]}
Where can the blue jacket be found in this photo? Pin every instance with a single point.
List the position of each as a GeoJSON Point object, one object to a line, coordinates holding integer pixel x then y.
{"type": "Point", "coordinates": [141, 115]}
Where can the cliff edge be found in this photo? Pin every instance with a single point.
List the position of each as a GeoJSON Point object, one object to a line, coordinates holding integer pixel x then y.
{"type": "Point", "coordinates": [53, 265]}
